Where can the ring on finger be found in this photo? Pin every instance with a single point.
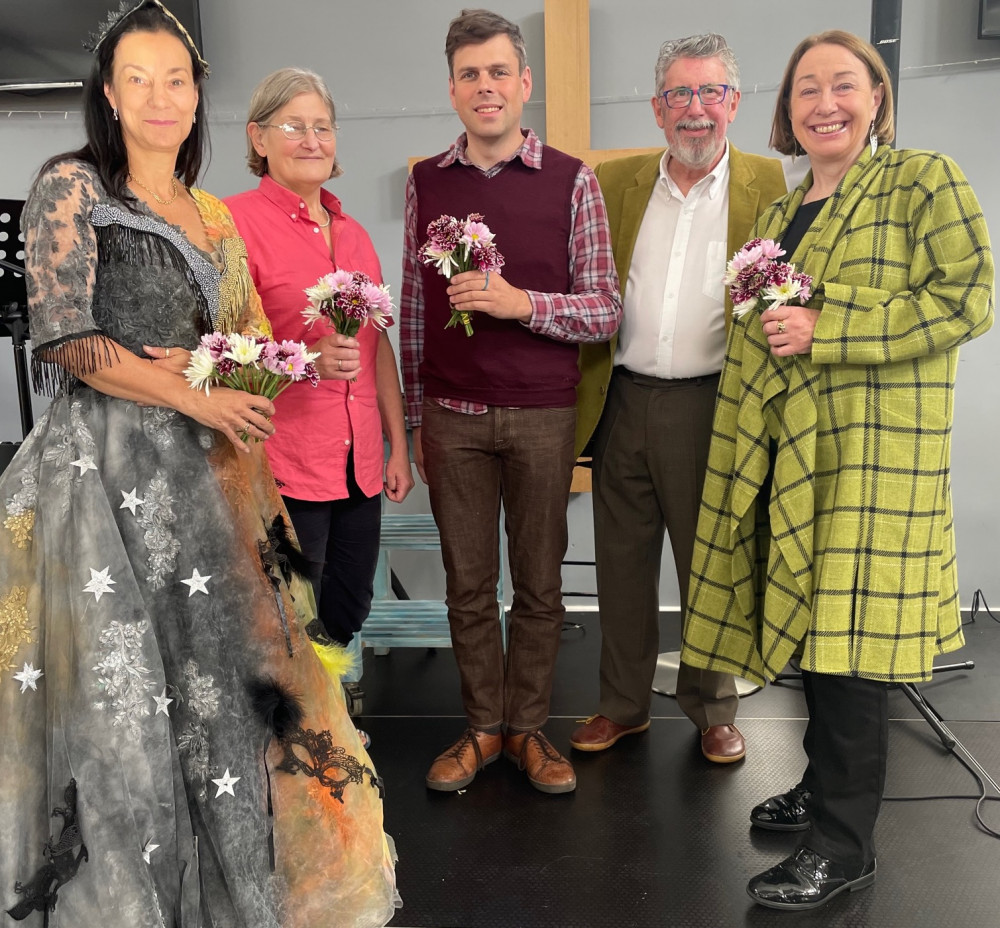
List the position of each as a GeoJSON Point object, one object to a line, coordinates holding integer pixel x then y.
{"type": "Point", "coordinates": [168, 352]}
{"type": "Point", "coordinates": [781, 327]}
{"type": "Point", "coordinates": [340, 364]}
{"type": "Point", "coordinates": [486, 283]}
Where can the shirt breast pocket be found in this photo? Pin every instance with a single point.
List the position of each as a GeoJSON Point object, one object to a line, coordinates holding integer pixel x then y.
{"type": "Point", "coordinates": [715, 270]}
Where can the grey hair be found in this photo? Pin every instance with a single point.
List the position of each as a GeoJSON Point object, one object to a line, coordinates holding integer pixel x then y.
{"type": "Point", "coordinates": [271, 94]}
{"type": "Point", "coordinates": [710, 45]}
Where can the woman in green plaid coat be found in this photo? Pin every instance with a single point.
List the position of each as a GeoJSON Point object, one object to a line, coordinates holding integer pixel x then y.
{"type": "Point", "coordinates": [826, 523]}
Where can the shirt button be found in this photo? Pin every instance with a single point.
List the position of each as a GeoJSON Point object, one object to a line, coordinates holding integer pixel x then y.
{"type": "Point", "coordinates": [294, 215]}
{"type": "Point", "coordinates": [352, 397]}
{"type": "Point", "coordinates": [316, 231]}
{"type": "Point", "coordinates": [302, 206]}
{"type": "Point", "coordinates": [347, 441]}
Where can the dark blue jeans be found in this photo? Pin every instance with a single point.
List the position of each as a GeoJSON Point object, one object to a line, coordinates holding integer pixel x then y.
{"type": "Point", "coordinates": [343, 536]}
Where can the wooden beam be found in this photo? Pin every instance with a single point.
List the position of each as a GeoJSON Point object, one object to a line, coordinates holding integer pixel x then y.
{"type": "Point", "coordinates": [567, 74]}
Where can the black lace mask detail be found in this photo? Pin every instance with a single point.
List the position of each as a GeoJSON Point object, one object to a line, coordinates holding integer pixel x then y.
{"type": "Point", "coordinates": [330, 764]}
{"type": "Point", "coordinates": [63, 855]}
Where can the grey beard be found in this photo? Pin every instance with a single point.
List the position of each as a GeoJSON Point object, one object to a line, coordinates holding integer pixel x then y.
{"type": "Point", "coordinates": [696, 153]}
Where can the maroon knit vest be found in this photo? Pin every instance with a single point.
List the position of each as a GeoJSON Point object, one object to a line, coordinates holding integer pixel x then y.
{"type": "Point", "coordinates": [529, 211]}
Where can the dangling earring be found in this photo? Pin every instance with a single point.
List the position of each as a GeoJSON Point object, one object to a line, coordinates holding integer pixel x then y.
{"type": "Point", "coordinates": [194, 119]}
{"type": "Point", "coordinates": [114, 112]}
{"type": "Point", "coordinates": [873, 138]}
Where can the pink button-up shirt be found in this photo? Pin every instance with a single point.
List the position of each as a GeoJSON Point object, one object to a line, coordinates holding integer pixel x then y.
{"type": "Point", "coordinates": [315, 427]}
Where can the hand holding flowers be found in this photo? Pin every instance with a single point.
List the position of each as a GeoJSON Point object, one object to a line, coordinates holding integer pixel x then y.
{"type": "Point", "coordinates": [347, 300]}
{"type": "Point", "coordinates": [454, 246]}
{"type": "Point", "coordinates": [754, 275]}
{"type": "Point", "coordinates": [260, 366]}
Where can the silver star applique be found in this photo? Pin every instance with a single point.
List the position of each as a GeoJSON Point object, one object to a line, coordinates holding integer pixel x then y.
{"type": "Point", "coordinates": [28, 677]}
{"type": "Point", "coordinates": [196, 583]}
{"type": "Point", "coordinates": [130, 500]}
{"type": "Point", "coordinates": [100, 583]}
{"type": "Point", "coordinates": [85, 463]}
{"type": "Point", "coordinates": [148, 849]}
{"type": "Point", "coordinates": [162, 701]}
{"type": "Point", "coordinates": [226, 784]}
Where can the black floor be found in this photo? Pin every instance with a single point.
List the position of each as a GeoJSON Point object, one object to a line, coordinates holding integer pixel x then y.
{"type": "Point", "coordinates": [656, 836]}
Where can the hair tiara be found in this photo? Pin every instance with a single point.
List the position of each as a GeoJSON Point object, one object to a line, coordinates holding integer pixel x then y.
{"type": "Point", "coordinates": [126, 9]}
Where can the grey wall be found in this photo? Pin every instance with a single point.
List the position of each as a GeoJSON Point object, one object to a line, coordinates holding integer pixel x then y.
{"type": "Point", "coordinates": [384, 62]}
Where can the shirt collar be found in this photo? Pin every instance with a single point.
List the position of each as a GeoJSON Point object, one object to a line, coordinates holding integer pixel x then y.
{"type": "Point", "coordinates": [290, 203]}
{"type": "Point", "coordinates": [715, 181]}
{"type": "Point", "coordinates": [530, 152]}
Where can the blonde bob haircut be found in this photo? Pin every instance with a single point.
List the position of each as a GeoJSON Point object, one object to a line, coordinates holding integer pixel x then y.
{"type": "Point", "coordinates": [271, 94]}
{"type": "Point", "coordinates": [782, 138]}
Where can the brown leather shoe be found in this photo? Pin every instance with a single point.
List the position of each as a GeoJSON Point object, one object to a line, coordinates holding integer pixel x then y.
{"type": "Point", "coordinates": [598, 733]}
{"type": "Point", "coordinates": [723, 744]}
{"type": "Point", "coordinates": [547, 769]}
{"type": "Point", "coordinates": [457, 767]}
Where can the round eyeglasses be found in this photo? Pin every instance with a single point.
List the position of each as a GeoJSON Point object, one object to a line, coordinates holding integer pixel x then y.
{"type": "Point", "coordinates": [296, 131]}
{"type": "Point", "coordinates": [709, 94]}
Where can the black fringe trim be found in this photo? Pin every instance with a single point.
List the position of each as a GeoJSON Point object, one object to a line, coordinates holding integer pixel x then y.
{"type": "Point", "coordinates": [59, 365]}
{"type": "Point", "coordinates": [122, 244]}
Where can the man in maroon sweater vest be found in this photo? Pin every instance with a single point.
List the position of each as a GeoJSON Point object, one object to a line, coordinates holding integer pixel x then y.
{"type": "Point", "coordinates": [493, 414]}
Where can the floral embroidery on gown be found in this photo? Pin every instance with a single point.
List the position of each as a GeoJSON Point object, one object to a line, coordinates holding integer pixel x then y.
{"type": "Point", "coordinates": [173, 752]}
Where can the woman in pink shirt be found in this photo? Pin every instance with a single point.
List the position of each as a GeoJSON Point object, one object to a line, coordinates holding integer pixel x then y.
{"type": "Point", "coordinates": [327, 450]}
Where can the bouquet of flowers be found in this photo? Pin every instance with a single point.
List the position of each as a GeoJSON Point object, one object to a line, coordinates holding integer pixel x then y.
{"type": "Point", "coordinates": [257, 365]}
{"type": "Point", "coordinates": [457, 245]}
{"type": "Point", "coordinates": [347, 300]}
{"type": "Point", "coordinates": [754, 275]}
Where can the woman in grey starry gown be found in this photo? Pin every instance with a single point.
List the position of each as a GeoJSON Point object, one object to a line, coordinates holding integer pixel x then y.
{"type": "Point", "coordinates": [173, 751]}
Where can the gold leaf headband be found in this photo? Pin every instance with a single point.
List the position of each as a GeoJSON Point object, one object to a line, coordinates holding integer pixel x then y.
{"type": "Point", "coordinates": [126, 9]}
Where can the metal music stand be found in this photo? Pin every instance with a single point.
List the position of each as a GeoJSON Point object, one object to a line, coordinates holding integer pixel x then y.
{"type": "Point", "coordinates": [14, 302]}
{"type": "Point", "coordinates": [933, 718]}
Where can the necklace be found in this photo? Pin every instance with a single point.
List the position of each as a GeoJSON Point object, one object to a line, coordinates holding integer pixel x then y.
{"type": "Point", "coordinates": [153, 194]}
{"type": "Point", "coordinates": [323, 225]}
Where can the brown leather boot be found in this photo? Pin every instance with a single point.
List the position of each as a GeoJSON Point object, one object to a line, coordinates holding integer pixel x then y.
{"type": "Point", "coordinates": [547, 769]}
{"type": "Point", "coordinates": [457, 767]}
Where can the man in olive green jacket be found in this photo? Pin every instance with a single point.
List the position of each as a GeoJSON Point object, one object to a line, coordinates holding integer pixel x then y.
{"type": "Point", "coordinates": [647, 397]}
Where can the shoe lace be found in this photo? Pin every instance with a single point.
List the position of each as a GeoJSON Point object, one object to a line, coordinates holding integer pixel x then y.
{"type": "Point", "coordinates": [549, 753]}
{"type": "Point", "coordinates": [459, 746]}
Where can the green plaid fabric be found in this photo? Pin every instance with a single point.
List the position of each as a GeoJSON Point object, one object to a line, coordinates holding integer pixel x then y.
{"type": "Point", "coordinates": [826, 521]}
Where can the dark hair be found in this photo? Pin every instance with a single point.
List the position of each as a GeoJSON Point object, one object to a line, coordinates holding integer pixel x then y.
{"type": "Point", "coordinates": [105, 147]}
{"type": "Point", "coordinates": [473, 27]}
{"type": "Point", "coordinates": [782, 138]}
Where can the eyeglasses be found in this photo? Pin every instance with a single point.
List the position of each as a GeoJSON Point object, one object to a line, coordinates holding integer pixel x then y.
{"type": "Point", "coordinates": [295, 131]}
{"type": "Point", "coordinates": [681, 97]}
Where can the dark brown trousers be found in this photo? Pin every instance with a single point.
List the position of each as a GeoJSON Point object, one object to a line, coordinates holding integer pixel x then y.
{"type": "Point", "coordinates": [650, 455]}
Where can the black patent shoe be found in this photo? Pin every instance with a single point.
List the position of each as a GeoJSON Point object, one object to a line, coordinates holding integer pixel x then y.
{"type": "Point", "coordinates": [806, 881]}
{"type": "Point", "coordinates": [787, 812]}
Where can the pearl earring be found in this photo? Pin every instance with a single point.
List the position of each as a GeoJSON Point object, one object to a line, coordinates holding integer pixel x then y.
{"type": "Point", "coordinates": [114, 112]}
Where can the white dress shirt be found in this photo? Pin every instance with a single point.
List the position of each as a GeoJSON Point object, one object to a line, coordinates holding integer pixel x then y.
{"type": "Point", "coordinates": [674, 322]}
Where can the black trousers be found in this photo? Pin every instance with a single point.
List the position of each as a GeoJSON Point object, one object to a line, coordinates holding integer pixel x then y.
{"type": "Point", "coordinates": [846, 743]}
{"type": "Point", "coordinates": [343, 535]}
